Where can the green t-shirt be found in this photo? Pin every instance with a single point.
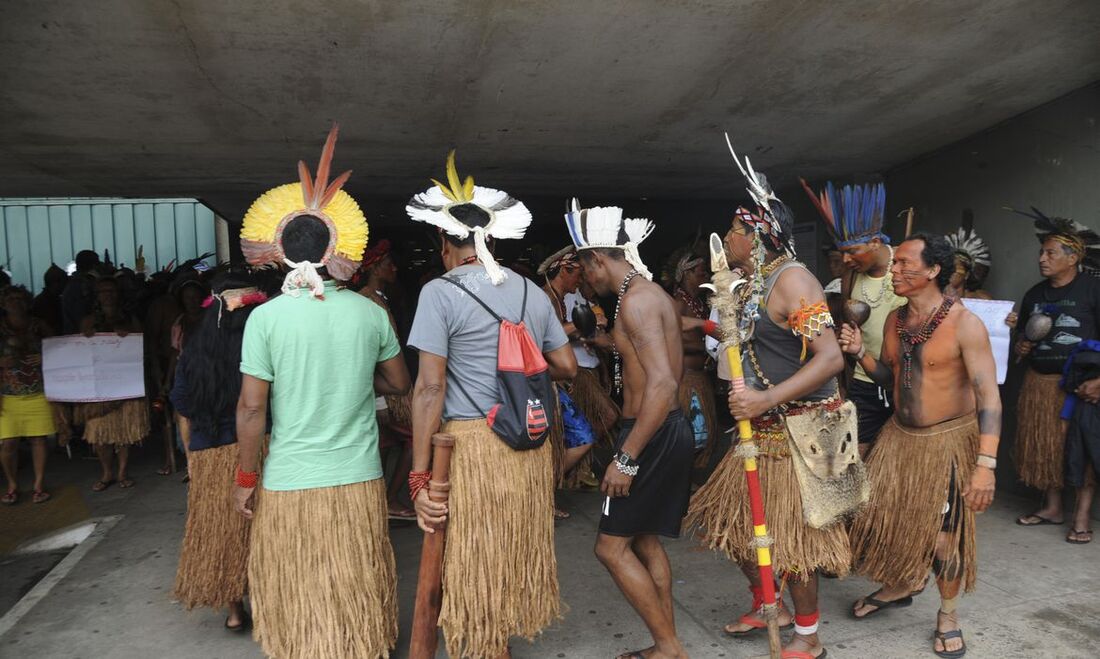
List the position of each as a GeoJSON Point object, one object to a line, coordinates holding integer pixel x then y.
{"type": "Point", "coordinates": [320, 357]}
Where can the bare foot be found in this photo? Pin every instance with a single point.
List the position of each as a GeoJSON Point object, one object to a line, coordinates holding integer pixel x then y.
{"type": "Point", "coordinates": [754, 620]}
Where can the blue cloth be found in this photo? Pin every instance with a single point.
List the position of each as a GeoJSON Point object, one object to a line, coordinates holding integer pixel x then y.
{"type": "Point", "coordinates": [227, 424]}
{"type": "Point", "coordinates": [1088, 345]}
{"type": "Point", "coordinates": [578, 431]}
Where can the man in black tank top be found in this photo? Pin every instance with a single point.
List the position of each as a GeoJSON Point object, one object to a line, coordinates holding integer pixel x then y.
{"type": "Point", "coordinates": [791, 362]}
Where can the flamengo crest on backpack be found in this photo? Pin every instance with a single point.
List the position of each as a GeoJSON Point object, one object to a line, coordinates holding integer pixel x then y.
{"type": "Point", "coordinates": [520, 419]}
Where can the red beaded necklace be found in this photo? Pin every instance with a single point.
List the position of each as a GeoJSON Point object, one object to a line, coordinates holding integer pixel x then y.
{"type": "Point", "coordinates": [693, 303]}
{"type": "Point", "coordinates": [910, 339]}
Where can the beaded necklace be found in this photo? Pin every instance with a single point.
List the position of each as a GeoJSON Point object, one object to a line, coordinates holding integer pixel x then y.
{"type": "Point", "coordinates": [468, 260]}
{"type": "Point", "coordinates": [693, 303]}
{"type": "Point", "coordinates": [559, 301]}
{"type": "Point", "coordinates": [618, 360]}
{"type": "Point", "coordinates": [911, 339]}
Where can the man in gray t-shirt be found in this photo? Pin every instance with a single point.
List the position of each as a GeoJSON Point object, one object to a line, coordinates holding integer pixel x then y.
{"type": "Point", "coordinates": [450, 324]}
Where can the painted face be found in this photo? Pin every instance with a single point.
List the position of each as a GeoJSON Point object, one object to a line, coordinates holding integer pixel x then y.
{"type": "Point", "coordinates": [1055, 260]}
{"type": "Point", "coordinates": [909, 272]}
{"type": "Point", "coordinates": [861, 257]}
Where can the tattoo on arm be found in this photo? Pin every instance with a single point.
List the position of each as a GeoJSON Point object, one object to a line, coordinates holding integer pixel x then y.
{"type": "Point", "coordinates": [989, 422]}
{"type": "Point", "coordinates": [882, 375]}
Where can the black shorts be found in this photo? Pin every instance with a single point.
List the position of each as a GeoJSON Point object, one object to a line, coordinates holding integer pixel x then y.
{"type": "Point", "coordinates": [1082, 444]}
{"type": "Point", "coordinates": [659, 494]}
{"type": "Point", "coordinates": [874, 407]}
{"type": "Point", "coordinates": [952, 514]}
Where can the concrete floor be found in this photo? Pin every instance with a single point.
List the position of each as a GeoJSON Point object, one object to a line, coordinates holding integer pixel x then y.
{"type": "Point", "coordinates": [1036, 595]}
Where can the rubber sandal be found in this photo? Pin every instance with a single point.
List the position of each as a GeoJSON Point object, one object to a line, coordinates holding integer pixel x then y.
{"type": "Point", "coordinates": [246, 623]}
{"type": "Point", "coordinates": [164, 471]}
{"type": "Point", "coordinates": [10, 498]}
{"type": "Point", "coordinates": [753, 621]}
{"type": "Point", "coordinates": [126, 483]}
{"type": "Point", "coordinates": [880, 605]}
{"type": "Point", "coordinates": [560, 514]}
{"type": "Point", "coordinates": [40, 496]}
{"type": "Point", "coordinates": [99, 486]}
{"type": "Point", "coordinates": [1042, 521]}
{"type": "Point", "coordinates": [942, 637]}
{"type": "Point", "coordinates": [633, 654]}
{"type": "Point", "coordinates": [1073, 537]}
{"type": "Point", "coordinates": [799, 654]}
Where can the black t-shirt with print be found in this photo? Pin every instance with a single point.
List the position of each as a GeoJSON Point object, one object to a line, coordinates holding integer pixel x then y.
{"type": "Point", "coordinates": [1075, 309]}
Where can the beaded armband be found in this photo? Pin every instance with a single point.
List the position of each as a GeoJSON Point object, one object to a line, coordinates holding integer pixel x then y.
{"type": "Point", "coordinates": [808, 321]}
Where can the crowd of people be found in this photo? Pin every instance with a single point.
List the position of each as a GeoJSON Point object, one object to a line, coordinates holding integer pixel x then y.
{"type": "Point", "coordinates": [873, 401]}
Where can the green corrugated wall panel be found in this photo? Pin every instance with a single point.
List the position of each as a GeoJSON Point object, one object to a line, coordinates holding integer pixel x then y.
{"type": "Point", "coordinates": [37, 232]}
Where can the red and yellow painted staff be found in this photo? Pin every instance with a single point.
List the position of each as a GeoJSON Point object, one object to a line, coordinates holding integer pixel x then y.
{"type": "Point", "coordinates": [724, 282]}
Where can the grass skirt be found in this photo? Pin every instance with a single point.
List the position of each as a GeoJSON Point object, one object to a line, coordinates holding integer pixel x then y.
{"type": "Point", "coordinates": [894, 541]}
{"type": "Point", "coordinates": [321, 573]}
{"type": "Point", "coordinates": [702, 385]}
{"type": "Point", "coordinates": [596, 404]}
{"type": "Point", "coordinates": [500, 575]}
{"type": "Point", "coordinates": [117, 422]}
{"type": "Point", "coordinates": [1039, 451]}
{"type": "Point", "coordinates": [400, 408]}
{"type": "Point", "coordinates": [213, 566]}
{"type": "Point", "coordinates": [720, 513]}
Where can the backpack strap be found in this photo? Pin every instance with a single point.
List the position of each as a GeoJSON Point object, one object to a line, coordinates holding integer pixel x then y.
{"type": "Point", "coordinates": [479, 300]}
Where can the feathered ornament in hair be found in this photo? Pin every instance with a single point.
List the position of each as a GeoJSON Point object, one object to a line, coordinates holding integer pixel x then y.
{"type": "Point", "coordinates": [854, 214]}
{"type": "Point", "coordinates": [968, 243]}
{"type": "Point", "coordinates": [461, 208]}
{"type": "Point", "coordinates": [604, 227]}
{"type": "Point", "coordinates": [1078, 237]}
{"type": "Point", "coordinates": [777, 218]}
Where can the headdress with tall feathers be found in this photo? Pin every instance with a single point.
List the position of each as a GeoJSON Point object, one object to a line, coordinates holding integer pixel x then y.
{"type": "Point", "coordinates": [267, 218]}
{"type": "Point", "coordinates": [853, 215]}
{"type": "Point", "coordinates": [604, 227]}
{"type": "Point", "coordinates": [461, 208]}
{"type": "Point", "coordinates": [970, 245]}
{"type": "Point", "coordinates": [1074, 235]}
{"type": "Point", "coordinates": [773, 218]}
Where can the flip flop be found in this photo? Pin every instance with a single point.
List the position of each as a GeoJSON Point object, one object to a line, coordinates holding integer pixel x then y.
{"type": "Point", "coordinates": [10, 498]}
{"type": "Point", "coordinates": [99, 486]}
{"type": "Point", "coordinates": [880, 605]}
{"type": "Point", "coordinates": [40, 496]}
{"type": "Point", "coordinates": [164, 471]}
{"type": "Point", "coordinates": [1073, 537]}
{"type": "Point", "coordinates": [942, 637]}
{"type": "Point", "coordinates": [126, 483]}
{"type": "Point", "coordinates": [560, 514]}
{"type": "Point", "coordinates": [799, 654]}
{"type": "Point", "coordinates": [1042, 521]}
{"type": "Point", "coordinates": [753, 621]}
{"type": "Point", "coordinates": [246, 623]}
{"type": "Point", "coordinates": [633, 654]}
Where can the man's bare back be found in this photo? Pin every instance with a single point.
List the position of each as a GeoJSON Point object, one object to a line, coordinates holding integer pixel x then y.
{"type": "Point", "coordinates": [941, 387]}
{"type": "Point", "coordinates": [648, 322]}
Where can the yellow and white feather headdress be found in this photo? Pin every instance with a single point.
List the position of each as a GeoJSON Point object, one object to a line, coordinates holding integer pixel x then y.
{"type": "Point", "coordinates": [267, 218]}
{"type": "Point", "coordinates": [461, 208]}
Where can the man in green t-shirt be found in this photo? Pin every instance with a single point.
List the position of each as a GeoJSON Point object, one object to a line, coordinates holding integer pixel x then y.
{"type": "Point", "coordinates": [321, 569]}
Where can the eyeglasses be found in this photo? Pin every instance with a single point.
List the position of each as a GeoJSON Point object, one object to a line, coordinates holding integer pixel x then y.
{"type": "Point", "coordinates": [739, 229]}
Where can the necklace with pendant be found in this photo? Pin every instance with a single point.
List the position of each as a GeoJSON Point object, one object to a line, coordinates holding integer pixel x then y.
{"type": "Point", "coordinates": [617, 378]}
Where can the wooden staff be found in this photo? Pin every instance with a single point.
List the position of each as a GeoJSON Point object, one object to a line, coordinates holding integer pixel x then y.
{"type": "Point", "coordinates": [429, 583]}
{"type": "Point", "coordinates": [908, 222]}
{"type": "Point", "coordinates": [723, 284]}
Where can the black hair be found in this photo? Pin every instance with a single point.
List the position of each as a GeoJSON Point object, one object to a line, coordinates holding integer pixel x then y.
{"type": "Point", "coordinates": [471, 215]}
{"type": "Point", "coordinates": [936, 251]}
{"type": "Point", "coordinates": [585, 255]}
{"type": "Point", "coordinates": [86, 260]}
{"type": "Point", "coordinates": [211, 362]}
{"type": "Point", "coordinates": [305, 238]}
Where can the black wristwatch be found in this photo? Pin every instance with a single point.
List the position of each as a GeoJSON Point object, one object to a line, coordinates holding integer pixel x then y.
{"type": "Point", "coordinates": [626, 464]}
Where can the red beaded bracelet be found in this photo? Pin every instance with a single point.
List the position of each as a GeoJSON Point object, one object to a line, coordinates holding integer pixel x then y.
{"type": "Point", "coordinates": [246, 478]}
{"type": "Point", "coordinates": [418, 480]}
{"type": "Point", "coordinates": [710, 327]}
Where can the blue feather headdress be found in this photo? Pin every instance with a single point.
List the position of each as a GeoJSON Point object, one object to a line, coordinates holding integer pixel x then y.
{"type": "Point", "coordinates": [854, 214]}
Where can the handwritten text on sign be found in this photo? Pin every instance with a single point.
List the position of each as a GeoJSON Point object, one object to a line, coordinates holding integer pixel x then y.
{"type": "Point", "coordinates": [80, 369]}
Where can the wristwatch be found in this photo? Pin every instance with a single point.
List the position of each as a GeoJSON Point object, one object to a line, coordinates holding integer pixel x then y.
{"type": "Point", "coordinates": [626, 464]}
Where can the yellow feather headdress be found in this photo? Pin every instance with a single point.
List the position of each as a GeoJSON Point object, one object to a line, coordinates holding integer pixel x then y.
{"type": "Point", "coordinates": [268, 217]}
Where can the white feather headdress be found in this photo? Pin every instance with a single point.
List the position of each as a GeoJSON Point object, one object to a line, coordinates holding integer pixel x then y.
{"type": "Point", "coordinates": [968, 242]}
{"type": "Point", "coordinates": [461, 208]}
{"type": "Point", "coordinates": [604, 227]}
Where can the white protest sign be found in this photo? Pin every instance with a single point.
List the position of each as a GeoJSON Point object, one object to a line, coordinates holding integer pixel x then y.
{"type": "Point", "coordinates": [81, 369]}
{"type": "Point", "coordinates": [992, 314]}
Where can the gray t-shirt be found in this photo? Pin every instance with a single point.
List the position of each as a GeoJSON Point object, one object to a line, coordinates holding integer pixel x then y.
{"type": "Point", "coordinates": [450, 324]}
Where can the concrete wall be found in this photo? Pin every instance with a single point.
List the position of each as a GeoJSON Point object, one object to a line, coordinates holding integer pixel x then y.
{"type": "Point", "coordinates": [1049, 158]}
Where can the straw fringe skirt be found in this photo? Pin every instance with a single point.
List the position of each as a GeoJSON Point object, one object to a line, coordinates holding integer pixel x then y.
{"type": "Point", "coordinates": [1039, 451]}
{"type": "Point", "coordinates": [894, 541]}
{"type": "Point", "coordinates": [698, 383]}
{"type": "Point", "coordinates": [400, 408]}
{"type": "Point", "coordinates": [720, 513]}
{"type": "Point", "coordinates": [321, 573]}
{"type": "Point", "coordinates": [213, 566]}
{"type": "Point", "coordinates": [556, 440]}
{"type": "Point", "coordinates": [500, 575]}
{"type": "Point", "coordinates": [117, 422]}
{"type": "Point", "coordinates": [596, 404]}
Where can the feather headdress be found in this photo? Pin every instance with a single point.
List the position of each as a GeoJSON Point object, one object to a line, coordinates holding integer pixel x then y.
{"type": "Point", "coordinates": [1078, 237]}
{"type": "Point", "coordinates": [853, 215]}
{"type": "Point", "coordinates": [967, 243]}
{"type": "Point", "coordinates": [679, 262]}
{"type": "Point", "coordinates": [267, 218]}
{"type": "Point", "coordinates": [563, 256]}
{"type": "Point", "coordinates": [604, 227]}
{"type": "Point", "coordinates": [461, 208]}
{"type": "Point", "coordinates": [773, 218]}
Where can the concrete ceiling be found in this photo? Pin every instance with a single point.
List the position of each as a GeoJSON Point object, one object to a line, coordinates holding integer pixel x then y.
{"type": "Point", "coordinates": [218, 100]}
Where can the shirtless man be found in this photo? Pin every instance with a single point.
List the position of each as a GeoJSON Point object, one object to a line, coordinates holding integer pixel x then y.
{"type": "Point", "coordinates": [648, 483]}
{"type": "Point", "coordinates": [936, 356]}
